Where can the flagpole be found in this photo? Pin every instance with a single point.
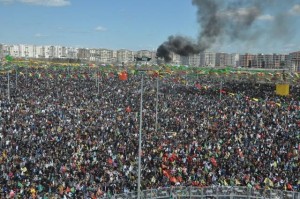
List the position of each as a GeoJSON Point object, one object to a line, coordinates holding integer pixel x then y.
{"type": "Point", "coordinates": [98, 83]}
{"type": "Point", "coordinates": [27, 76]}
{"type": "Point", "coordinates": [156, 105]}
{"type": "Point", "coordinates": [8, 87]}
{"type": "Point", "coordinates": [16, 79]}
{"type": "Point", "coordinates": [221, 89]}
{"type": "Point", "coordinates": [140, 139]}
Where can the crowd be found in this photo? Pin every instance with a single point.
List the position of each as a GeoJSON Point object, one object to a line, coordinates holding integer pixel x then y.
{"type": "Point", "coordinates": [60, 138]}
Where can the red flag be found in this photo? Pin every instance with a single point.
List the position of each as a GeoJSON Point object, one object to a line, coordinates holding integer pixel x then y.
{"type": "Point", "coordinates": [123, 76]}
{"type": "Point", "coordinates": [198, 85]}
{"type": "Point", "coordinates": [110, 161]}
{"type": "Point", "coordinates": [213, 161]}
{"type": "Point", "coordinates": [173, 179]}
{"type": "Point", "coordinates": [166, 173]}
{"type": "Point", "coordinates": [128, 109]}
{"type": "Point", "coordinates": [289, 187]}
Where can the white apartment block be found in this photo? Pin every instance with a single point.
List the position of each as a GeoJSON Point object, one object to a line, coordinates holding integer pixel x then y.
{"type": "Point", "coordinates": [94, 57]}
{"type": "Point", "coordinates": [194, 60]}
{"type": "Point", "coordinates": [221, 59]}
{"type": "Point", "coordinates": [295, 61]}
{"type": "Point", "coordinates": [175, 59]}
{"type": "Point", "coordinates": [125, 56]}
{"type": "Point", "coordinates": [1, 51]}
{"type": "Point", "coordinates": [144, 53]}
{"type": "Point", "coordinates": [27, 51]}
{"type": "Point", "coordinates": [14, 51]}
{"type": "Point", "coordinates": [234, 60]}
{"type": "Point", "coordinates": [269, 61]}
{"type": "Point", "coordinates": [71, 53]}
{"type": "Point", "coordinates": [105, 55]}
{"type": "Point", "coordinates": [208, 59]}
{"type": "Point", "coordinates": [101, 55]}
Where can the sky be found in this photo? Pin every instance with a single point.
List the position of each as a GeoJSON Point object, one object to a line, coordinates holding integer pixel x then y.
{"type": "Point", "coordinates": [133, 24]}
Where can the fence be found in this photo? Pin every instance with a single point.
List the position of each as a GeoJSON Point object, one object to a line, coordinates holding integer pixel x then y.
{"type": "Point", "coordinates": [210, 193]}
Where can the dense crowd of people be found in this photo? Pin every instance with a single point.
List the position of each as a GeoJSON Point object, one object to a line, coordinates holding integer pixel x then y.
{"type": "Point", "coordinates": [60, 138]}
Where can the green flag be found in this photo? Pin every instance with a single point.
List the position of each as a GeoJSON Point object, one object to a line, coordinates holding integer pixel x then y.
{"type": "Point", "coordinates": [9, 58]}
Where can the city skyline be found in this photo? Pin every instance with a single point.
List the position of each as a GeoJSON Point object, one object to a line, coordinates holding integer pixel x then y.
{"type": "Point", "coordinates": [133, 25]}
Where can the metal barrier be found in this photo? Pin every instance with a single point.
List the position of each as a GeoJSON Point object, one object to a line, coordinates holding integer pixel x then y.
{"type": "Point", "coordinates": [217, 192]}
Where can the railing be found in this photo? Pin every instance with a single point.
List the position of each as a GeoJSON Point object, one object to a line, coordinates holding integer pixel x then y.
{"type": "Point", "coordinates": [209, 192]}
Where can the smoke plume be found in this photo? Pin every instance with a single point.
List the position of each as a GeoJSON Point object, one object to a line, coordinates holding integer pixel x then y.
{"type": "Point", "coordinates": [219, 20]}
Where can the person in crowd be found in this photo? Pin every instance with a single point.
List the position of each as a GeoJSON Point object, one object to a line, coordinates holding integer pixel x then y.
{"type": "Point", "coordinates": [60, 138]}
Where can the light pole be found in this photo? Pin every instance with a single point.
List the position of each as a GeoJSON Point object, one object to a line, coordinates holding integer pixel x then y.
{"type": "Point", "coordinates": [156, 105]}
{"type": "Point", "coordinates": [16, 78]}
{"type": "Point", "coordinates": [8, 87]}
{"type": "Point", "coordinates": [221, 86]}
{"type": "Point", "coordinates": [98, 83]}
{"type": "Point", "coordinates": [140, 138]}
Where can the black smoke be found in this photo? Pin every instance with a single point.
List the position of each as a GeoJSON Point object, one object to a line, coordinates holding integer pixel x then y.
{"type": "Point", "coordinates": [178, 44]}
{"type": "Point", "coordinates": [219, 20]}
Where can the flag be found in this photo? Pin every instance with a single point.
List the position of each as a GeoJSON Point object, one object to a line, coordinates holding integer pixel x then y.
{"type": "Point", "coordinates": [173, 179]}
{"type": "Point", "coordinates": [197, 85]}
{"type": "Point", "coordinates": [278, 104]}
{"type": "Point", "coordinates": [213, 161]}
{"type": "Point", "coordinates": [9, 58]}
{"type": "Point", "coordinates": [166, 173]}
{"type": "Point", "coordinates": [128, 109]}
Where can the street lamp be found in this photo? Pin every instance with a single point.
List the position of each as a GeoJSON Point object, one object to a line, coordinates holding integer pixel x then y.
{"type": "Point", "coordinates": [140, 138]}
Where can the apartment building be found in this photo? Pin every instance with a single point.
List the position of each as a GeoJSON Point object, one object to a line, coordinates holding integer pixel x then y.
{"type": "Point", "coordinates": [1, 51]}
{"type": "Point", "coordinates": [83, 53]}
{"type": "Point", "coordinates": [222, 59]}
{"type": "Point", "coordinates": [125, 56]}
{"type": "Point", "coordinates": [71, 53]}
{"type": "Point", "coordinates": [105, 55]}
{"type": "Point", "coordinates": [234, 60]}
{"type": "Point", "coordinates": [194, 60]}
{"type": "Point", "coordinates": [295, 61]}
{"type": "Point", "coordinates": [175, 59]}
{"type": "Point", "coordinates": [147, 53]}
{"type": "Point", "coordinates": [269, 61]}
{"type": "Point", "coordinates": [208, 59]}
{"type": "Point", "coordinates": [144, 53]}
{"type": "Point", "coordinates": [246, 60]}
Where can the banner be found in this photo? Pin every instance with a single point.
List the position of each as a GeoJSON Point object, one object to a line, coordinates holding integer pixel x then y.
{"type": "Point", "coordinates": [282, 89]}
